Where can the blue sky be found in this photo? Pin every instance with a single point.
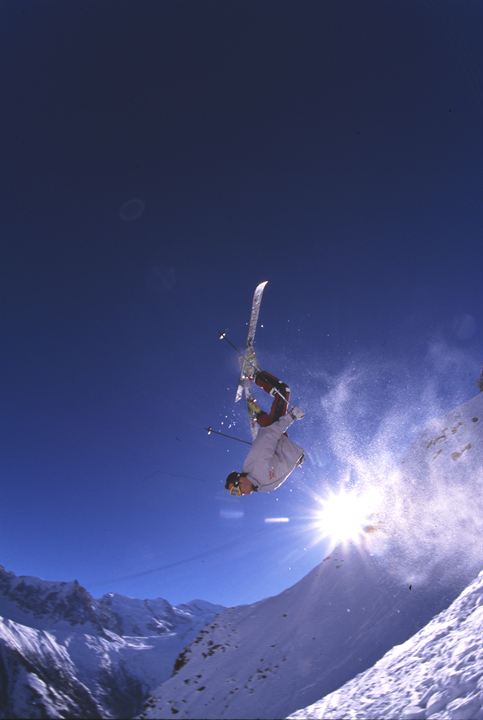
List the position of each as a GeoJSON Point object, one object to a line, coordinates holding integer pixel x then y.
{"type": "Point", "coordinates": [335, 151]}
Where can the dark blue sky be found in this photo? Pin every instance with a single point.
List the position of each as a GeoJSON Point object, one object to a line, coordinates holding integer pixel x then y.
{"type": "Point", "coordinates": [334, 149]}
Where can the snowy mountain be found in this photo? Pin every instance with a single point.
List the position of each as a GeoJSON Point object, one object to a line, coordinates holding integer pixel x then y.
{"type": "Point", "coordinates": [438, 673]}
{"type": "Point", "coordinates": [268, 659]}
{"type": "Point", "coordinates": [65, 654]}
{"type": "Point", "coordinates": [271, 658]}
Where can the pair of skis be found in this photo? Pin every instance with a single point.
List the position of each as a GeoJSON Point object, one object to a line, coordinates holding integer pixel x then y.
{"type": "Point", "coordinates": [248, 361]}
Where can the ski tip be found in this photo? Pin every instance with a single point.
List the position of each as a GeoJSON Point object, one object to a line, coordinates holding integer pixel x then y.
{"type": "Point", "coordinates": [261, 287]}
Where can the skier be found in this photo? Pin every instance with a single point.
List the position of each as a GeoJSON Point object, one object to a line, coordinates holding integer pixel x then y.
{"type": "Point", "coordinates": [273, 456]}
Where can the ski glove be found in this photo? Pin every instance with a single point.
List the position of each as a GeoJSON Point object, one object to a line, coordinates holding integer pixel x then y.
{"type": "Point", "coordinates": [253, 406]}
{"type": "Point", "coordinates": [297, 413]}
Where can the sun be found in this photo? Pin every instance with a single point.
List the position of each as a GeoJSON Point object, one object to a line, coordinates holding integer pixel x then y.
{"type": "Point", "coordinates": [344, 516]}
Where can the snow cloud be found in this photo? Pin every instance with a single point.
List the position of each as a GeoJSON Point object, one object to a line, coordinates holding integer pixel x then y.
{"type": "Point", "coordinates": [408, 444]}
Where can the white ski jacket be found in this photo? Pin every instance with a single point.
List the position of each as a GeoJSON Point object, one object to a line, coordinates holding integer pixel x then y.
{"type": "Point", "coordinates": [273, 456]}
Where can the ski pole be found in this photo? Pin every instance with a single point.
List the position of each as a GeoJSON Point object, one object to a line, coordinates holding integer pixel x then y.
{"type": "Point", "coordinates": [240, 353]}
{"type": "Point", "coordinates": [210, 430]}
{"type": "Point", "coordinates": [222, 336]}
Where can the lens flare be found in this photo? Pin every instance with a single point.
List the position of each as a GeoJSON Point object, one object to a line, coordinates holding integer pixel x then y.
{"type": "Point", "coordinates": [345, 516]}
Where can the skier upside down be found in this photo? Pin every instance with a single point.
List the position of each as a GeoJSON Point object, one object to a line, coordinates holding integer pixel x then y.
{"type": "Point", "coordinates": [273, 456]}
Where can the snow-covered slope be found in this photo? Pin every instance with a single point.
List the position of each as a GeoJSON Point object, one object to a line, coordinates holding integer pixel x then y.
{"type": "Point", "coordinates": [438, 673]}
{"type": "Point", "coordinates": [267, 659]}
{"type": "Point", "coordinates": [65, 654]}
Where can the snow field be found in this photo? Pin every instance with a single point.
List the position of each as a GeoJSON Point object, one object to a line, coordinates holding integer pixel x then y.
{"type": "Point", "coordinates": [435, 675]}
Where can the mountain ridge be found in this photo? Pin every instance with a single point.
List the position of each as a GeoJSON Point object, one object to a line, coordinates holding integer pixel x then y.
{"type": "Point", "coordinates": [65, 654]}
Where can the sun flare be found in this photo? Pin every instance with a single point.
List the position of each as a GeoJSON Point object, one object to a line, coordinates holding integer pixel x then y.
{"type": "Point", "coordinates": [344, 516]}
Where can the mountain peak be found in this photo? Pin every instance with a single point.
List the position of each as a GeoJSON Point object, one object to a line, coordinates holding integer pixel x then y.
{"type": "Point", "coordinates": [62, 651]}
{"type": "Point", "coordinates": [67, 601]}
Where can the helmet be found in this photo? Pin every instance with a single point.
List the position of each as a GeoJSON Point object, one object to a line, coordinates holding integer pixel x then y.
{"type": "Point", "coordinates": [232, 483]}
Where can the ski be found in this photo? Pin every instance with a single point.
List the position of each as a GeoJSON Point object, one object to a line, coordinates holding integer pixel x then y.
{"type": "Point", "coordinates": [248, 361]}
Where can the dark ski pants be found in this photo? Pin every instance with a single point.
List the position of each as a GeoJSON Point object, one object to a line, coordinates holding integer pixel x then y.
{"type": "Point", "coordinates": [269, 383]}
